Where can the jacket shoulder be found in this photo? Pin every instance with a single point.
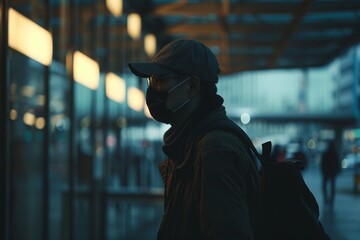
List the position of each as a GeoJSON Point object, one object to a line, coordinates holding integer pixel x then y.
{"type": "Point", "coordinates": [220, 139]}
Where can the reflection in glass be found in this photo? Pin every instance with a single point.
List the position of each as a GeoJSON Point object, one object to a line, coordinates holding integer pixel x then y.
{"type": "Point", "coordinates": [26, 148]}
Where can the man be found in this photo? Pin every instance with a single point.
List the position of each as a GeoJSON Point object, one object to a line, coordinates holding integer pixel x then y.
{"type": "Point", "coordinates": [211, 185]}
{"type": "Point", "coordinates": [330, 167]}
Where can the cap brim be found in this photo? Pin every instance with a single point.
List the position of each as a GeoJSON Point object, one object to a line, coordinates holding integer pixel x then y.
{"type": "Point", "coordinates": [145, 70]}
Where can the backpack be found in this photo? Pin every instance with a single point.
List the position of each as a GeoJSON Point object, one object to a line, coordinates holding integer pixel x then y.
{"type": "Point", "coordinates": [289, 209]}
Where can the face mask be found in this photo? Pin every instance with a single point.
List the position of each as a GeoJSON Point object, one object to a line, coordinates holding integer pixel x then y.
{"type": "Point", "coordinates": [156, 102]}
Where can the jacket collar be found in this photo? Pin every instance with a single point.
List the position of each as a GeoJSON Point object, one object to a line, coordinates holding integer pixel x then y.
{"type": "Point", "coordinates": [176, 139]}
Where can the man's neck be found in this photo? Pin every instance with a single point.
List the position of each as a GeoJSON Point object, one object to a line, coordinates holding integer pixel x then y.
{"type": "Point", "coordinates": [180, 118]}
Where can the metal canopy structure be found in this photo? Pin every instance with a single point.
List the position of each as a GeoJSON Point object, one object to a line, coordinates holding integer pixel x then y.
{"type": "Point", "coordinates": [245, 35]}
{"type": "Point", "coordinates": [254, 35]}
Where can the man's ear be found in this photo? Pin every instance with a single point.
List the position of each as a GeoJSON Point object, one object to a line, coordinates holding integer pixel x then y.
{"type": "Point", "coordinates": [194, 85]}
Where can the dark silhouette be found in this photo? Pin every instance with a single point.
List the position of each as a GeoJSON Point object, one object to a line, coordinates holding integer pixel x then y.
{"type": "Point", "coordinates": [330, 167]}
{"type": "Point", "coordinates": [301, 156]}
{"type": "Point", "coordinates": [211, 183]}
{"type": "Point", "coordinates": [279, 153]}
{"type": "Point", "coordinates": [356, 176]}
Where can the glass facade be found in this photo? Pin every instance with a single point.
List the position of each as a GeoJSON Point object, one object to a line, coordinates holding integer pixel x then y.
{"type": "Point", "coordinates": [73, 156]}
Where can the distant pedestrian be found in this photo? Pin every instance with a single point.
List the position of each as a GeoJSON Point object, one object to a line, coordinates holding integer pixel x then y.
{"type": "Point", "coordinates": [330, 167]}
{"type": "Point", "coordinates": [301, 156]}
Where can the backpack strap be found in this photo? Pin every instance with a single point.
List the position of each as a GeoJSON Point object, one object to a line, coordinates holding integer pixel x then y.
{"type": "Point", "coordinates": [235, 129]}
{"type": "Point", "coordinates": [266, 151]}
{"type": "Point", "coordinates": [248, 143]}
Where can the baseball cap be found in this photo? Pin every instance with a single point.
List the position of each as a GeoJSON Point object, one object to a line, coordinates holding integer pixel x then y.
{"type": "Point", "coordinates": [184, 57]}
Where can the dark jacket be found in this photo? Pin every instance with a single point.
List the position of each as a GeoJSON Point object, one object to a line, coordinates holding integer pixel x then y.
{"type": "Point", "coordinates": [212, 192]}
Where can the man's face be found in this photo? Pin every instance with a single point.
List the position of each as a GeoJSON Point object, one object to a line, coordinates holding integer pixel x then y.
{"type": "Point", "coordinates": [174, 85]}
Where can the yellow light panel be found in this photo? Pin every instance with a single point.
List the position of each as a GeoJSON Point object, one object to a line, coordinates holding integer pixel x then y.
{"type": "Point", "coordinates": [29, 38]}
{"type": "Point", "coordinates": [86, 71]}
{"type": "Point", "coordinates": [115, 87]}
{"type": "Point", "coordinates": [134, 25]}
{"type": "Point", "coordinates": [115, 7]}
{"type": "Point", "coordinates": [150, 44]}
{"type": "Point", "coordinates": [136, 99]}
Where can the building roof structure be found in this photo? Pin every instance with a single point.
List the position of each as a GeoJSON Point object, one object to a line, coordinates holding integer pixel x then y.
{"type": "Point", "coordinates": [256, 35]}
{"type": "Point", "coordinates": [245, 35]}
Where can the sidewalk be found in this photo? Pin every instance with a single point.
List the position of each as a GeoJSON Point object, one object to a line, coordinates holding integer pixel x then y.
{"type": "Point", "coordinates": [342, 222]}
{"type": "Point", "coordinates": [135, 220]}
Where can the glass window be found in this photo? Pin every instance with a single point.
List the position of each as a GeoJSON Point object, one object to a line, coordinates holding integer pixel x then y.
{"type": "Point", "coordinates": [26, 146]}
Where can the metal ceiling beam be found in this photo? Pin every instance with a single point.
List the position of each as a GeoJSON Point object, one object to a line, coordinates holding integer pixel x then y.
{"type": "Point", "coordinates": [334, 6]}
{"type": "Point", "coordinates": [206, 8]}
{"type": "Point", "coordinates": [213, 28]}
{"type": "Point", "coordinates": [242, 44]}
{"type": "Point", "coordinates": [253, 67]}
{"type": "Point", "coordinates": [278, 27]}
{"type": "Point", "coordinates": [344, 45]}
{"type": "Point", "coordinates": [189, 9]}
{"type": "Point", "coordinates": [280, 46]}
{"type": "Point", "coordinates": [232, 39]}
{"type": "Point", "coordinates": [195, 28]}
{"type": "Point", "coordinates": [260, 42]}
{"type": "Point", "coordinates": [288, 7]}
{"type": "Point", "coordinates": [224, 34]}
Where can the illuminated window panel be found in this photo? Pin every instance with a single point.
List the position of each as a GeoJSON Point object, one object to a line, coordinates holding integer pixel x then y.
{"type": "Point", "coordinates": [134, 26]}
{"type": "Point", "coordinates": [115, 87]}
{"type": "Point", "coordinates": [86, 71]}
{"type": "Point", "coordinates": [136, 99]}
{"type": "Point", "coordinates": [115, 7]}
{"type": "Point", "coordinates": [29, 38]}
{"type": "Point", "coordinates": [150, 44]}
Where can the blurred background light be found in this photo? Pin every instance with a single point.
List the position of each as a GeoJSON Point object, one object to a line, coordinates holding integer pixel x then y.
{"type": "Point", "coordinates": [29, 119]}
{"type": "Point", "coordinates": [40, 100]}
{"type": "Point", "coordinates": [13, 114]}
{"type": "Point", "coordinates": [150, 44]}
{"type": "Point", "coordinates": [86, 71]}
{"type": "Point", "coordinates": [245, 118]}
{"type": "Point", "coordinates": [311, 144]}
{"type": "Point", "coordinates": [136, 99]}
{"type": "Point", "coordinates": [28, 91]}
{"type": "Point", "coordinates": [40, 123]}
{"type": "Point", "coordinates": [134, 26]}
{"type": "Point", "coordinates": [115, 87]}
{"type": "Point", "coordinates": [29, 38]}
{"type": "Point", "coordinates": [115, 7]}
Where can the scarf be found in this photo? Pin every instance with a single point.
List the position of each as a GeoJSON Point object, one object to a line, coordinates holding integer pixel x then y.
{"type": "Point", "coordinates": [175, 139]}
